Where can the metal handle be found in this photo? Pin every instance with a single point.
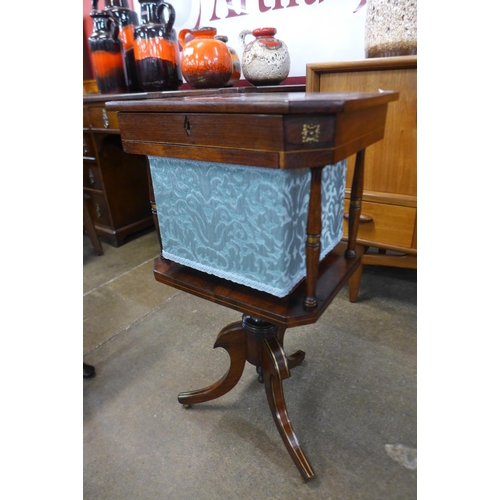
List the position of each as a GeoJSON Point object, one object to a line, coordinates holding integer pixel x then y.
{"type": "Point", "coordinates": [85, 148]}
{"type": "Point", "coordinates": [105, 118]}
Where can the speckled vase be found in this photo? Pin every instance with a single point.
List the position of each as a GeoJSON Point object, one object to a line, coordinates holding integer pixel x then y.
{"type": "Point", "coordinates": [265, 59]}
{"type": "Point", "coordinates": [205, 61]}
{"type": "Point", "coordinates": [390, 27]}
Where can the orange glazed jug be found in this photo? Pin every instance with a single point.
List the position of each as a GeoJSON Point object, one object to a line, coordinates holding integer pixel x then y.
{"type": "Point", "coordinates": [127, 20]}
{"type": "Point", "coordinates": [106, 54]}
{"type": "Point", "coordinates": [156, 51]}
{"type": "Point", "coordinates": [205, 61]}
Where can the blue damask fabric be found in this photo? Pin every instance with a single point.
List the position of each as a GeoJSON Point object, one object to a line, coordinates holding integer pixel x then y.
{"type": "Point", "coordinates": [245, 224]}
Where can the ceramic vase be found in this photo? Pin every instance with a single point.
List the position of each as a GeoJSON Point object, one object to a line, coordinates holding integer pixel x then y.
{"type": "Point", "coordinates": [265, 59]}
{"type": "Point", "coordinates": [106, 54]}
{"type": "Point", "coordinates": [235, 76]}
{"type": "Point", "coordinates": [205, 61]}
{"type": "Point", "coordinates": [126, 19]}
{"type": "Point", "coordinates": [156, 50]}
{"type": "Point", "coordinates": [390, 28]}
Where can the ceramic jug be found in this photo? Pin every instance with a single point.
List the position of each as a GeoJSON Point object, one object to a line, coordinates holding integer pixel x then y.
{"type": "Point", "coordinates": [106, 54]}
{"type": "Point", "coordinates": [265, 59]}
{"type": "Point", "coordinates": [127, 20]}
{"type": "Point", "coordinates": [235, 76]}
{"type": "Point", "coordinates": [156, 50]}
{"type": "Point", "coordinates": [205, 61]}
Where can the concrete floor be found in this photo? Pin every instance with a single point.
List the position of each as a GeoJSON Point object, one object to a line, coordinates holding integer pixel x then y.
{"type": "Point", "coordinates": [353, 402]}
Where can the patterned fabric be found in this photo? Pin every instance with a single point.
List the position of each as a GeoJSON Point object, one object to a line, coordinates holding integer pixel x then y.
{"type": "Point", "coordinates": [244, 224]}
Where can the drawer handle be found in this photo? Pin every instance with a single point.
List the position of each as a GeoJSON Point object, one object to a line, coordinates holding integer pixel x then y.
{"type": "Point", "coordinates": [363, 219]}
{"type": "Point", "coordinates": [98, 210]}
{"type": "Point", "coordinates": [105, 118]}
{"type": "Point", "coordinates": [91, 177]}
{"type": "Point", "coordinates": [85, 148]}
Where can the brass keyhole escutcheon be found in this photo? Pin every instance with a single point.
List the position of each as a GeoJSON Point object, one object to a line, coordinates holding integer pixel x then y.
{"type": "Point", "coordinates": [187, 126]}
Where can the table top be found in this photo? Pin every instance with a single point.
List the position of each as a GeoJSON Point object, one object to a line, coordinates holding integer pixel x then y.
{"type": "Point", "coordinates": [271, 130]}
{"type": "Point", "coordinates": [256, 103]}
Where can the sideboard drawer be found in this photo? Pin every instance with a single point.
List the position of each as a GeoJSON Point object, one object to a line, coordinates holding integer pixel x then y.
{"type": "Point", "coordinates": [85, 118]}
{"type": "Point", "coordinates": [98, 208]}
{"type": "Point", "coordinates": [92, 176]}
{"type": "Point", "coordinates": [391, 224]}
{"type": "Point", "coordinates": [102, 118]}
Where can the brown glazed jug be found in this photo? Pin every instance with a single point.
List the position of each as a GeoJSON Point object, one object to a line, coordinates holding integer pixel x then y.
{"type": "Point", "coordinates": [205, 61]}
{"type": "Point", "coordinates": [127, 20]}
{"type": "Point", "coordinates": [106, 54]}
{"type": "Point", "coordinates": [156, 50]}
{"type": "Point", "coordinates": [235, 76]}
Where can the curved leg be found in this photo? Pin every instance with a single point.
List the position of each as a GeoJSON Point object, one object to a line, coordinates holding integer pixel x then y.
{"type": "Point", "coordinates": [275, 370]}
{"type": "Point", "coordinates": [297, 357]}
{"type": "Point", "coordinates": [232, 338]}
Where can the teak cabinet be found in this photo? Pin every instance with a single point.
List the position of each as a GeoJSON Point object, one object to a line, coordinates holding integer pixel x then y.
{"type": "Point", "coordinates": [389, 209]}
{"type": "Point", "coordinates": [115, 183]}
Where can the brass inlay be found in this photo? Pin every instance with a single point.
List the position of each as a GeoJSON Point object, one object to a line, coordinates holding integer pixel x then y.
{"type": "Point", "coordinates": [310, 133]}
{"type": "Point", "coordinates": [313, 240]}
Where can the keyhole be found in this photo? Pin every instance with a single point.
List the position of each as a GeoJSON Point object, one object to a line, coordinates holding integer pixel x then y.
{"type": "Point", "coordinates": [187, 126]}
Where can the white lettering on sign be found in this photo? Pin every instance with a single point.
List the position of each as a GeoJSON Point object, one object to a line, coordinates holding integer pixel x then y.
{"type": "Point", "coordinates": [262, 6]}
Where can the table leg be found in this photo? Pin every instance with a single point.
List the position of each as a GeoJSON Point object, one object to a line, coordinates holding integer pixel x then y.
{"type": "Point", "coordinates": [232, 338]}
{"type": "Point", "coordinates": [355, 203]}
{"type": "Point", "coordinates": [276, 369]}
{"type": "Point", "coordinates": [293, 359]}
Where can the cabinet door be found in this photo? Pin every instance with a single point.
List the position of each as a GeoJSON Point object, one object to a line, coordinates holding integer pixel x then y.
{"type": "Point", "coordinates": [390, 164]}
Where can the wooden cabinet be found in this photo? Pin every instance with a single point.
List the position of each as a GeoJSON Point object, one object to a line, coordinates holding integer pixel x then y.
{"type": "Point", "coordinates": [115, 183]}
{"type": "Point", "coordinates": [389, 209]}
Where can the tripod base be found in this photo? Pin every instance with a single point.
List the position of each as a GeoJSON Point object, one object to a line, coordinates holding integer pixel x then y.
{"type": "Point", "coordinates": [261, 344]}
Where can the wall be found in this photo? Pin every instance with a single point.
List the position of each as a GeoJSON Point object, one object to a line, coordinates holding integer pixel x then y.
{"type": "Point", "coordinates": [313, 30]}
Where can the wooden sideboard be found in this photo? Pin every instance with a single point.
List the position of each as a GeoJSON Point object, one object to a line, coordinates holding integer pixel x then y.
{"type": "Point", "coordinates": [115, 183]}
{"type": "Point", "coordinates": [389, 212]}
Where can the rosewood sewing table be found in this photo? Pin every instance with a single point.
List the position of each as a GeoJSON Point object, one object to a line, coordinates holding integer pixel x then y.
{"type": "Point", "coordinates": [272, 131]}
